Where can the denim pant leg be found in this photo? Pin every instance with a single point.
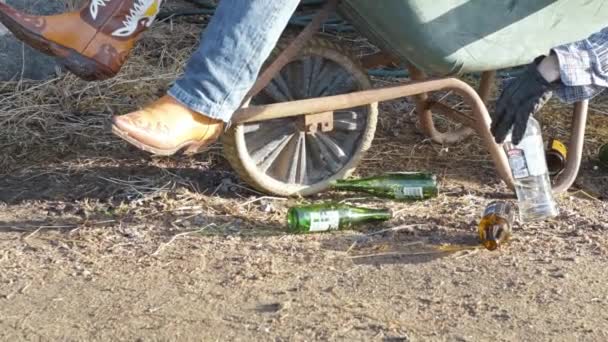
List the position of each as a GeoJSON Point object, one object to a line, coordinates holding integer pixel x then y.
{"type": "Point", "coordinates": [238, 40]}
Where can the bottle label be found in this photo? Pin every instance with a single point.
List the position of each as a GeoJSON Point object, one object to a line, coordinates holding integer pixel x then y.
{"type": "Point", "coordinates": [324, 220]}
{"type": "Point", "coordinates": [499, 209]}
{"type": "Point", "coordinates": [409, 192]}
{"type": "Point", "coordinates": [407, 173]}
{"type": "Point", "coordinates": [528, 158]}
{"type": "Point", "coordinates": [517, 162]}
{"type": "Point", "coordinates": [502, 209]}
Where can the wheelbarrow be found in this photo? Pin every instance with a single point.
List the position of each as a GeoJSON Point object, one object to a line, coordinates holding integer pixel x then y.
{"type": "Point", "coordinates": [312, 113]}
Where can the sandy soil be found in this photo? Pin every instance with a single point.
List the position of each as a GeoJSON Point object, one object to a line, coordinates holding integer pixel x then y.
{"type": "Point", "coordinates": [101, 242]}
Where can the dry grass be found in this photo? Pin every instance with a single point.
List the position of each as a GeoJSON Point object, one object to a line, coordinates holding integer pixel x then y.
{"type": "Point", "coordinates": [66, 116]}
{"type": "Point", "coordinates": [57, 146]}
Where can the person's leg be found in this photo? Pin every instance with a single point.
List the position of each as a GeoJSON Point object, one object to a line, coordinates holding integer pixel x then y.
{"type": "Point", "coordinates": [238, 40]}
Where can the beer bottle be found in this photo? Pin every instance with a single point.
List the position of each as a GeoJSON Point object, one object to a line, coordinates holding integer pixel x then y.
{"type": "Point", "coordinates": [556, 157]}
{"type": "Point", "coordinates": [496, 224]}
{"type": "Point", "coordinates": [331, 216]}
{"type": "Point", "coordinates": [402, 186]}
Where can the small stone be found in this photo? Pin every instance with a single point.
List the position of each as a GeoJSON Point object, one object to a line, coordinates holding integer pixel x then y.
{"type": "Point", "coordinates": [270, 308]}
{"type": "Point", "coordinates": [187, 224]}
{"type": "Point", "coordinates": [228, 186]}
{"type": "Point", "coordinates": [559, 275]}
{"type": "Point", "coordinates": [573, 259]}
{"type": "Point", "coordinates": [199, 220]}
{"type": "Point", "coordinates": [267, 207]}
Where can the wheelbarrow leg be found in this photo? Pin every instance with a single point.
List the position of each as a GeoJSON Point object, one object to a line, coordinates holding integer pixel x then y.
{"type": "Point", "coordinates": [480, 122]}
{"type": "Point", "coordinates": [426, 116]}
{"type": "Point", "coordinates": [575, 148]}
{"type": "Point", "coordinates": [482, 126]}
{"type": "Point", "coordinates": [485, 86]}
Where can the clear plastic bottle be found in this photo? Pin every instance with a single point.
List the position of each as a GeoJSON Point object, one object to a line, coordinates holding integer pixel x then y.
{"type": "Point", "coordinates": [529, 169]}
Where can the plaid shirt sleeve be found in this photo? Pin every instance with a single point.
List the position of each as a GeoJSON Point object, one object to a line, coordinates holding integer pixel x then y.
{"type": "Point", "coordinates": [583, 67]}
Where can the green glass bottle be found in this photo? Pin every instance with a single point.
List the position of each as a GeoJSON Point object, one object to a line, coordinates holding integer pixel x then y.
{"type": "Point", "coordinates": [402, 186]}
{"type": "Point", "coordinates": [331, 216]}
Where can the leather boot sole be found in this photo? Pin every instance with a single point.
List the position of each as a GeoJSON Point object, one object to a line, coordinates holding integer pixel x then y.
{"type": "Point", "coordinates": [86, 68]}
{"type": "Point", "coordinates": [190, 147]}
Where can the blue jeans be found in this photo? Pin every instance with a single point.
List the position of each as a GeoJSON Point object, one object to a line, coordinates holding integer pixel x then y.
{"type": "Point", "coordinates": [238, 40]}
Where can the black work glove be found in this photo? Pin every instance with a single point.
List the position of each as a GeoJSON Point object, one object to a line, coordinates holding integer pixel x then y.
{"type": "Point", "coordinates": [524, 96]}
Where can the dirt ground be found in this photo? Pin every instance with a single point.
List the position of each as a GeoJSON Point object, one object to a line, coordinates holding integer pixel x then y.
{"type": "Point", "coordinates": [99, 241]}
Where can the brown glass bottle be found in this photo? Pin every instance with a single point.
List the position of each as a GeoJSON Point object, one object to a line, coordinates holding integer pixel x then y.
{"type": "Point", "coordinates": [496, 224]}
{"type": "Point", "coordinates": [556, 155]}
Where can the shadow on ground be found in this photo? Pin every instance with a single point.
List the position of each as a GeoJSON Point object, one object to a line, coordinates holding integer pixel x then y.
{"type": "Point", "coordinates": [405, 244]}
{"type": "Point", "coordinates": [127, 181]}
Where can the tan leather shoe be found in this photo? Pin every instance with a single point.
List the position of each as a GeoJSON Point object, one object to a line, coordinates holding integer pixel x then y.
{"type": "Point", "coordinates": [93, 42]}
{"type": "Point", "coordinates": [166, 127]}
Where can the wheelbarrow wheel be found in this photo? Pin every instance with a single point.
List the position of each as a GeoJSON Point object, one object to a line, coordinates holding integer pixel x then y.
{"type": "Point", "coordinates": [283, 156]}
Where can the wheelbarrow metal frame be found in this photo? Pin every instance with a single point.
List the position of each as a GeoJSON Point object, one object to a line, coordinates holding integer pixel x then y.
{"type": "Point", "coordinates": [419, 88]}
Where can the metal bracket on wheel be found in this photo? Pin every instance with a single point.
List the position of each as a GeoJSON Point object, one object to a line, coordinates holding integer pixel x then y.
{"type": "Point", "coordinates": [325, 120]}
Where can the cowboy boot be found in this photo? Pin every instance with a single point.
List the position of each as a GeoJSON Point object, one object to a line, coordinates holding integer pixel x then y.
{"type": "Point", "coordinates": [166, 127]}
{"type": "Point", "coordinates": [93, 42]}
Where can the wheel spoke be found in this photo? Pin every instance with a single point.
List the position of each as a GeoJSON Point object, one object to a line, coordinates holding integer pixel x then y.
{"type": "Point", "coordinates": [250, 128]}
{"type": "Point", "coordinates": [302, 177]}
{"type": "Point", "coordinates": [338, 85]}
{"type": "Point", "coordinates": [328, 73]}
{"type": "Point", "coordinates": [295, 159]}
{"type": "Point", "coordinates": [274, 153]}
{"type": "Point", "coordinates": [273, 91]}
{"type": "Point", "coordinates": [278, 89]}
{"type": "Point", "coordinates": [269, 132]}
{"type": "Point", "coordinates": [316, 167]}
{"type": "Point", "coordinates": [307, 74]}
{"type": "Point", "coordinates": [286, 163]}
{"type": "Point", "coordinates": [332, 146]}
{"type": "Point", "coordinates": [295, 80]}
{"type": "Point", "coordinates": [282, 84]}
{"type": "Point", "coordinates": [317, 68]}
{"type": "Point", "coordinates": [324, 155]}
{"type": "Point", "coordinates": [266, 148]}
{"type": "Point", "coordinates": [348, 141]}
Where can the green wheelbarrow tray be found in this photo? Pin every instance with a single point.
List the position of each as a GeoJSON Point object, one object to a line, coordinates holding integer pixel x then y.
{"type": "Point", "coordinates": [448, 37]}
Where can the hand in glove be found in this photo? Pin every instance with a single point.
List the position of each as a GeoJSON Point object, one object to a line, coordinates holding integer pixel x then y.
{"type": "Point", "coordinates": [522, 97]}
